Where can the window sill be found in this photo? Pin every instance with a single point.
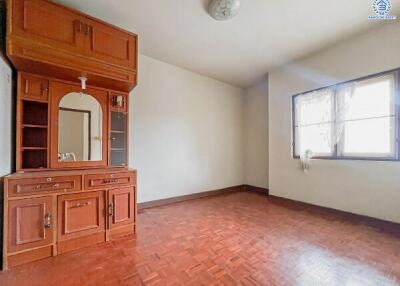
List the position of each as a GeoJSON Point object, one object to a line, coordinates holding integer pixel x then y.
{"type": "Point", "coordinates": [353, 159]}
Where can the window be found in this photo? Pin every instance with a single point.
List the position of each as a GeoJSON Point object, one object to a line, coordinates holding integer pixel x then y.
{"type": "Point", "coordinates": [355, 120]}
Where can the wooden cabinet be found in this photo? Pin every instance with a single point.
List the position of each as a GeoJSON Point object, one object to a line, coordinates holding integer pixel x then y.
{"type": "Point", "coordinates": [58, 41]}
{"type": "Point", "coordinates": [33, 87]}
{"type": "Point", "coordinates": [121, 207]}
{"type": "Point", "coordinates": [80, 215]}
{"type": "Point", "coordinates": [55, 203]}
{"type": "Point", "coordinates": [30, 223]}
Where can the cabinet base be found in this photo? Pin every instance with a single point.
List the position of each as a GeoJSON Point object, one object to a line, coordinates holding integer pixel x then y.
{"type": "Point", "coordinates": [72, 244]}
{"type": "Point", "coordinates": [121, 231]}
{"type": "Point", "coordinates": [29, 256]}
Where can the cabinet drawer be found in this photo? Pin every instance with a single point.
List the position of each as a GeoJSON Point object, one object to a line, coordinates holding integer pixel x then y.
{"type": "Point", "coordinates": [109, 180]}
{"type": "Point", "coordinates": [38, 185]}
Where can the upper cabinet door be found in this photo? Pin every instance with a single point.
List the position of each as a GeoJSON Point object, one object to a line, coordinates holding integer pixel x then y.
{"type": "Point", "coordinates": [45, 22]}
{"type": "Point", "coordinates": [111, 45]}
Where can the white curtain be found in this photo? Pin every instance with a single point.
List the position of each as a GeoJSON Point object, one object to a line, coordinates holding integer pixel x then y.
{"type": "Point", "coordinates": [313, 122]}
{"type": "Point", "coordinates": [344, 98]}
{"type": "Point", "coordinates": [358, 118]}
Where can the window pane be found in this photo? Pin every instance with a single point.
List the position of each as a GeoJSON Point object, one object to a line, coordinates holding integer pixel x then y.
{"type": "Point", "coordinates": [314, 107]}
{"type": "Point", "coordinates": [317, 138]}
{"type": "Point", "coordinates": [371, 98]}
{"type": "Point", "coordinates": [370, 137]}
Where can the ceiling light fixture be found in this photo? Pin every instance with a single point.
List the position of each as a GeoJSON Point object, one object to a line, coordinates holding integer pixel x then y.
{"type": "Point", "coordinates": [224, 9]}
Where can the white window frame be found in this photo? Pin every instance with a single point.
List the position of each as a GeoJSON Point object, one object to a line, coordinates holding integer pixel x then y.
{"type": "Point", "coordinates": [338, 147]}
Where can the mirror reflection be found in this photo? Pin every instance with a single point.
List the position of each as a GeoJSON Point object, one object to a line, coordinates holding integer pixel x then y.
{"type": "Point", "coordinates": [79, 128]}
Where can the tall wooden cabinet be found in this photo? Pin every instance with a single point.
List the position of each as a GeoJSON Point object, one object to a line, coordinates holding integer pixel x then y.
{"type": "Point", "coordinates": [67, 194]}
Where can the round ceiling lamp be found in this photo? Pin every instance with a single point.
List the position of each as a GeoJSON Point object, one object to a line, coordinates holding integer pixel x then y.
{"type": "Point", "coordinates": [224, 9]}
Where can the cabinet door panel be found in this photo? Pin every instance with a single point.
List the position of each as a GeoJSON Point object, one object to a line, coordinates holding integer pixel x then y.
{"type": "Point", "coordinates": [121, 203]}
{"type": "Point", "coordinates": [34, 87]}
{"type": "Point", "coordinates": [80, 215]}
{"type": "Point", "coordinates": [112, 45]}
{"type": "Point", "coordinates": [30, 223]}
{"type": "Point", "coordinates": [46, 23]}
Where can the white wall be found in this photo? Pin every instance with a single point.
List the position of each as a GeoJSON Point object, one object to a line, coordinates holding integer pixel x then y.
{"type": "Point", "coordinates": [5, 118]}
{"type": "Point", "coordinates": [186, 132]}
{"type": "Point", "coordinates": [363, 187]}
{"type": "Point", "coordinates": [256, 134]}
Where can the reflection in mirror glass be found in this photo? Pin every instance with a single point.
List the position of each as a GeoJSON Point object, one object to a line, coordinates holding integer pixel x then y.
{"type": "Point", "coordinates": [79, 128]}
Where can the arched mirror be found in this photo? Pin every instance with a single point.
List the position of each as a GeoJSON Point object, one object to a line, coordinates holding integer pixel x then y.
{"type": "Point", "coordinates": [80, 126]}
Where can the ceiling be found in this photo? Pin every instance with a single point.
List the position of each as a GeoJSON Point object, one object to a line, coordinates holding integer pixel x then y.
{"type": "Point", "coordinates": [265, 34]}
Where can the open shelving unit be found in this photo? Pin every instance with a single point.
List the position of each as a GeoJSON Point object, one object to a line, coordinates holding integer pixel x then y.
{"type": "Point", "coordinates": [34, 143]}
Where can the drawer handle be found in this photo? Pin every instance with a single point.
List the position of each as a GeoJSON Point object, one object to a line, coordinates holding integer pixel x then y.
{"type": "Point", "coordinates": [38, 187]}
{"type": "Point", "coordinates": [110, 181]}
{"type": "Point", "coordinates": [81, 205]}
{"type": "Point", "coordinates": [47, 221]}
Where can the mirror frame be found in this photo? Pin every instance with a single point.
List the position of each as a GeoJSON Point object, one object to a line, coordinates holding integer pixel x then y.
{"type": "Point", "coordinates": [57, 91]}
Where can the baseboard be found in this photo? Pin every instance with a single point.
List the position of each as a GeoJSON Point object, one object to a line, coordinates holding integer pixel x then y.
{"type": "Point", "coordinates": [178, 199]}
{"type": "Point", "coordinates": [259, 190]}
{"type": "Point", "coordinates": [387, 226]}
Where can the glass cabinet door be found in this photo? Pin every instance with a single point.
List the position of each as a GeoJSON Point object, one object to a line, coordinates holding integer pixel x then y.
{"type": "Point", "coordinates": [118, 138]}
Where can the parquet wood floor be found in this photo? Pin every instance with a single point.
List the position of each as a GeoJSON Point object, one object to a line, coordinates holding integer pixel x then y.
{"type": "Point", "coordinates": [234, 239]}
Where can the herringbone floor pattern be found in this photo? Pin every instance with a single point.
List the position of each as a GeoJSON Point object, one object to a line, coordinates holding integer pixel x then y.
{"type": "Point", "coordinates": [235, 239]}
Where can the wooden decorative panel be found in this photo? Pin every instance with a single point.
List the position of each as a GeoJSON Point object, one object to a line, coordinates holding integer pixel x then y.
{"type": "Point", "coordinates": [30, 223]}
{"type": "Point", "coordinates": [121, 204]}
{"type": "Point", "coordinates": [109, 180]}
{"type": "Point", "coordinates": [33, 87]}
{"type": "Point", "coordinates": [122, 50]}
{"type": "Point", "coordinates": [44, 184]}
{"type": "Point", "coordinates": [80, 214]}
{"type": "Point", "coordinates": [45, 19]}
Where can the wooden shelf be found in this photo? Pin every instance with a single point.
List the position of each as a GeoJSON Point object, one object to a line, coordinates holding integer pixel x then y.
{"type": "Point", "coordinates": [34, 126]}
{"type": "Point", "coordinates": [34, 148]}
{"type": "Point", "coordinates": [26, 98]}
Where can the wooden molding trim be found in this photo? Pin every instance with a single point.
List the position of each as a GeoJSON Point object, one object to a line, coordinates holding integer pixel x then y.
{"type": "Point", "coordinates": [172, 200]}
{"type": "Point", "coordinates": [167, 201]}
{"type": "Point", "coordinates": [387, 226]}
{"type": "Point", "coordinates": [259, 190]}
